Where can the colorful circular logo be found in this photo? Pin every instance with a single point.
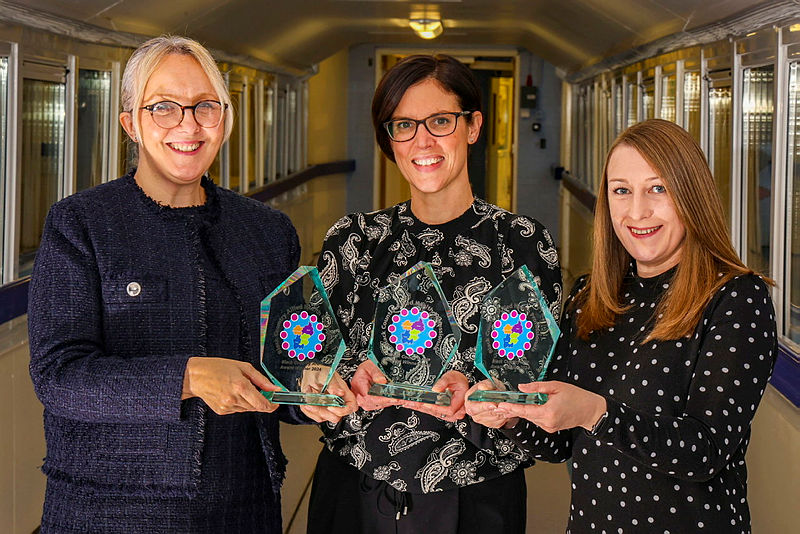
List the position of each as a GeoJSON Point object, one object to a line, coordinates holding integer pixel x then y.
{"type": "Point", "coordinates": [412, 331]}
{"type": "Point", "coordinates": [302, 335]}
{"type": "Point", "coordinates": [512, 334]}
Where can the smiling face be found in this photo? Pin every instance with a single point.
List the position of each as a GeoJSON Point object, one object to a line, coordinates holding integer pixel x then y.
{"type": "Point", "coordinates": [642, 213]}
{"type": "Point", "coordinates": [174, 159]}
{"type": "Point", "coordinates": [434, 166]}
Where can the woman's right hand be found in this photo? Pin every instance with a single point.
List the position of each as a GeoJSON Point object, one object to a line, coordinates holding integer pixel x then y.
{"type": "Point", "coordinates": [227, 386]}
{"type": "Point", "coordinates": [367, 374]}
{"type": "Point", "coordinates": [485, 413]}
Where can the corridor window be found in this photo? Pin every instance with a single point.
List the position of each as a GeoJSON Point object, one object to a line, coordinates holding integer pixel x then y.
{"type": "Point", "coordinates": [691, 104]}
{"type": "Point", "coordinates": [42, 163]}
{"type": "Point", "coordinates": [757, 117]}
{"type": "Point", "coordinates": [793, 206]}
{"type": "Point", "coordinates": [94, 123]}
{"type": "Point", "coordinates": [719, 136]}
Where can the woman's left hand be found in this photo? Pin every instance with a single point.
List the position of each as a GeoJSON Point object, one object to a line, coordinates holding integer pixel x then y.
{"type": "Point", "coordinates": [454, 382]}
{"type": "Point", "coordinates": [333, 414]}
{"type": "Point", "coordinates": [567, 406]}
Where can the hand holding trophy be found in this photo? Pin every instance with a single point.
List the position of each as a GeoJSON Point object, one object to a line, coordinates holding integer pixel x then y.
{"type": "Point", "coordinates": [414, 337]}
{"type": "Point", "coordinates": [516, 338]}
{"type": "Point", "coordinates": [301, 344]}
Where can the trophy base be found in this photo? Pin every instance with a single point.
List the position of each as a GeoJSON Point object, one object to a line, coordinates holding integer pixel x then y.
{"type": "Point", "coordinates": [515, 397]}
{"type": "Point", "coordinates": [411, 393]}
{"type": "Point", "coordinates": [299, 398]}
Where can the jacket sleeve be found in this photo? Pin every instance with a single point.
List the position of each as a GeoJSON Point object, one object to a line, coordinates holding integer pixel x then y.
{"type": "Point", "coordinates": [72, 373]}
{"type": "Point", "coordinates": [736, 354]}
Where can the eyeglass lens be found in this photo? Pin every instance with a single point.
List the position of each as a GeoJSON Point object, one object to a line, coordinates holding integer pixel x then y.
{"type": "Point", "coordinates": [438, 125]}
{"type": "Point", "coordinates": [207, 113]}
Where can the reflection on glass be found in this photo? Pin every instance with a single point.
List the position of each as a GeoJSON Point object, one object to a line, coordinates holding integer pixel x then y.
{"type": "Point", "coordinates": [235, 141]}
{"type": "Point", "coordinates": [291, 136]}
{"type": "Point", "coordinates": [94, 114]}
{"type": "Point", "coordinates": [667, 111]}
{"type": "Point", "coordinates": [269, 127]}
{"type": "Point", "coordinates": [691, 104]}
{"type": "Point", "coordinates": [633, 103]}
{"type": "Point", "coordinates": [649, 100]}
{"type": "Point", "coordinates": [719, 143]}
{"type": "Point", "coordinates": [757, 109]}
{"type": "Point", "coordinates": [793, 174]}
{"type": "Point", "coordinates": [42, 165]}
{"type": "Point", "coordinates": [280, 154]}
{"type": "Point", "coordinates": [3, 134]}
{"type": "Point", "coordinates": [251, 136]}
{"type": "Point", "coordinates": [619, 119]}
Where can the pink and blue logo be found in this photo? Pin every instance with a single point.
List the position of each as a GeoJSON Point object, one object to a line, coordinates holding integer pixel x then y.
{"type": "Point", "coordinates": [412, 331]}
{"type": "Point", "coordinates": [302, 335]}
{"type": "Point", "coordinates": [512, 334]}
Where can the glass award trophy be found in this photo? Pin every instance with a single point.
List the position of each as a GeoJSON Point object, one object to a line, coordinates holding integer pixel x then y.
{"type": "Point", "coordinates": [414, 337]}
{"type": "Point", "coordinates": [516, 338]}
{"type": "Point", "coordinates": [301, 344]}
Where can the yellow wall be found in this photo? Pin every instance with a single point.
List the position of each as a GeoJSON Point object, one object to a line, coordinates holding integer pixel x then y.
{"type": "Point", "coordinates": [22, 447]}
{"type": "Point", "coordinates": [772, 458]}
{"type": "Point", "coordinates": [316, 205]}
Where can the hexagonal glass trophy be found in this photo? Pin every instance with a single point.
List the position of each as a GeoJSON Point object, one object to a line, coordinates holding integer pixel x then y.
{"type": "Point", "coordinates": [301, 344]}
{"type": "Point", "coordinates": [414, 337]}
{"type": "Point", "coordinates": [516, 338]}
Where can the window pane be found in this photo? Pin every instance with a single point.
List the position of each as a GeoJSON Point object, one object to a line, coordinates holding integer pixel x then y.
{"type": "Point", "coordinates": [649, 100]}
{"type": "Point", "coordinates": [251, 136]}
{"type": "Point", "coordinates": [633, 103]}
{"type": "Point", "coordinates": [3, 138]}
{"type": "Point", "coordinates": [42, 165]}
{"type": "Point", "coordinates": [235, 140]}
{"type": "Point", "coordinates": [691, 104]}
{"type": "Point", "coordinates": [94, 115]}
{"type": "Point", "coordinates": [793, 174]}
{"type": "Point", "coordinates": [280, 156]}
{"type": "Point", "coordinates": [719, 143]}
{"type": "Point", "coordinates": [291, 136]}
{"type": "Point", "coordinates": [269, 132]}
{"type": "Point", "coordinates": [619, 119]}
{"type": "Point", "coordinates": [757, 108]}
{"type": "Point", "coordinates": [667, 111]}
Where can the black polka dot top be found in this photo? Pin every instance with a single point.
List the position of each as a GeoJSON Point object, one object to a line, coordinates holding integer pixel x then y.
{"type": "Point", "coordinates": [670, 456]}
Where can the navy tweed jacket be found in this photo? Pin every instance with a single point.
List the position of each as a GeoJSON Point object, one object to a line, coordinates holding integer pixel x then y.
{"type": "Point", "coordinates": [108, 363]}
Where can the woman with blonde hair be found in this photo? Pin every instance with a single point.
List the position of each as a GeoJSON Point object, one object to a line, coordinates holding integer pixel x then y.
{"type": "Point", "coordinates": [665, 352]}
{"type": "Point", "coordinates": [144, 325]}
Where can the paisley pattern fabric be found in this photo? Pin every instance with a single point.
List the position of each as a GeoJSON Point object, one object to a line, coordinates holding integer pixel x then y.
{"type": "Point", "coordinates": [470, 255]}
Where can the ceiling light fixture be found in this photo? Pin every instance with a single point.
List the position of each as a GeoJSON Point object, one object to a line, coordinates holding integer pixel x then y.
{"type": "Point", "coordinates": [426, 28]}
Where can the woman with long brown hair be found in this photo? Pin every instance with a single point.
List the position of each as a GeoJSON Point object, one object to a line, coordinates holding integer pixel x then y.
{"type": "Point", "coordinates": [665, 351]}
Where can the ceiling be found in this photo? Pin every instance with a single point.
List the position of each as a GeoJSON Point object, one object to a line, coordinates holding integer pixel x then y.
{"type": "Point", "coordinates": [570, 34]}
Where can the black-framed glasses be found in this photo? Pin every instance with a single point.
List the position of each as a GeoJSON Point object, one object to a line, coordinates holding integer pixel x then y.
{"type": "Point", "coordinates": [169, 114]}
{"type": "Point", "coordinates": [438, 125]}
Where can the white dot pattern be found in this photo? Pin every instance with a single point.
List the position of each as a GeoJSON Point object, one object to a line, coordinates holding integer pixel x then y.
{"type": "Point", "coordinates": [670, 457]}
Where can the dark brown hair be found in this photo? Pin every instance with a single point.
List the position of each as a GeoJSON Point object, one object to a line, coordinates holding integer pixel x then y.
{"type": "Point", "coordinates": [708, 259]}
{"type": "Point", "coordinates": [450, 73]}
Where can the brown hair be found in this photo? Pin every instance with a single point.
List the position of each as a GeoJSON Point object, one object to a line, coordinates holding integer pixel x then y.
{"type": "Point", "coordinates": [450, 73]}
{"type": "Point", "coordinates": [708, 259]}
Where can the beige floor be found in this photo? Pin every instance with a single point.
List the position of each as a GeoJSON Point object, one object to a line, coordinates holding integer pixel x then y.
{"type": "Point", "coordinates": [548, 485]}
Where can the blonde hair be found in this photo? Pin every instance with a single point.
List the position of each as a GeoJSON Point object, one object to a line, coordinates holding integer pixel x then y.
{"type": "Point", "coordinates": [145, 60]}
{"type": "Point", "coordinates": [708, 260]}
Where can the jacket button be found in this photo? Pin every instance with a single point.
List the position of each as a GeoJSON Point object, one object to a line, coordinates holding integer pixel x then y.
{"type": "Point", "coordinates": [134, 289]}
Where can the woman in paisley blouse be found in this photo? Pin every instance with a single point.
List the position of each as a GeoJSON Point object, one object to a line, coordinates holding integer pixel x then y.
{"type": "Point", "coordinates": [665, 352]}
{"type": "Point", "coordinates": [395, 466]}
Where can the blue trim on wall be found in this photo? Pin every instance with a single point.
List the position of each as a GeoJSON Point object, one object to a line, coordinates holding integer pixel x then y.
{"type": "Point", "coordinates": [14, 299]}
{"type": "Point", "coordinates": [786, 376]}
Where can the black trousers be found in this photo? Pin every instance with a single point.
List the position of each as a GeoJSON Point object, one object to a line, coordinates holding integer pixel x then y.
{"type": "Point", "coordinates": [346, 501]}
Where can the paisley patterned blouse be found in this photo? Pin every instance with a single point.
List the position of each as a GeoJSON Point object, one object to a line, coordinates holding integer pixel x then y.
{"type": "Point", "coordinates": [412, 451]}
